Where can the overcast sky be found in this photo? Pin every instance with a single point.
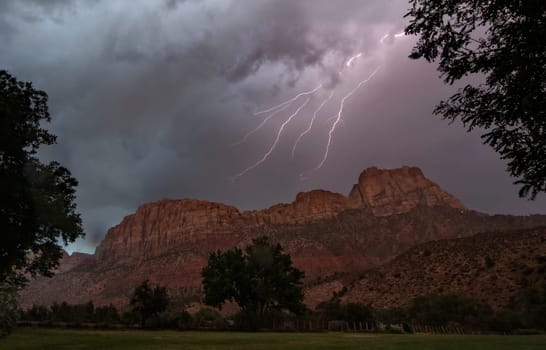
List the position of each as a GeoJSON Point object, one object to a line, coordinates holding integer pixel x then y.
{"type": "Point", "coordinates": [153, 99]}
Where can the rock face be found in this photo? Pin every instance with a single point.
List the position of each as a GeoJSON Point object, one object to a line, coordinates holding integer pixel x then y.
{"type": "Point", "coordinates": [164, 227]}
{"type": "Point", "coordinates": [169, 226]}
{"type": "Point", "coordinates": [389, 192]}
{"type": "Point", "coordinates": [327, 234]}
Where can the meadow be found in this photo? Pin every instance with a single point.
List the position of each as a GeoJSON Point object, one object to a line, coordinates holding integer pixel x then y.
{"type": "Point", "coordinates": [55, 339]}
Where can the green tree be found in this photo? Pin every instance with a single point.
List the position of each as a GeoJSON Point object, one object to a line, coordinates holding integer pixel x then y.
{"type": "Point", "coordinates": [351, 312]}
{"type": "Point", "coordinates": [62, 312]}
{"type": "Point", "coordinates": [502, 40]}
{"type": "Point", "coordinates": [260, 279]}
{"type": "Point", "coordinates": [107, 314]}
{"type": "Point", "coordinates": [441, 310]}
{"type": "Point", "coordinates": [530, 305]}
{"type": "Point", "coordinates": [37, 213]}
{"type": "Point", "coordinates": [37, 313]}
{"type": "Point", "coordinates": [148, 301]}
{"type": "Point", "coordinates": [8, 308]}
{"type": "Point", "coordinates": [83, 312]}
{"type": "Point", "coordinates": [358, 312]}
{"type": "Point", "coordinates": [38, 210]}
{"type": "Point", "coordinates": [331, 310]}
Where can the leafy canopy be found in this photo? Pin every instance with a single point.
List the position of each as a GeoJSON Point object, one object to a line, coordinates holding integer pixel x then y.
{"type": "Point", "coordinates": [260, 279]}
{"type": "Point", "coordinates": [37, 213]}
{"type": "Point", "coordinates": [504, 41]}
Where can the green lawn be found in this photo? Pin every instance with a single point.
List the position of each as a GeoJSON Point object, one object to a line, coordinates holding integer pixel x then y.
{"type": "Point", "coordinates": [26, 338]}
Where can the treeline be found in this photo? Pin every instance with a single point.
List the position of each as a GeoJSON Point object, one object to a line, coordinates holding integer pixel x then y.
{"type": "Point", "coordinates": [147, 309]}
{"type": "Point", "coordinates": [526, 312]}
{"type": "Point", "coordinates": [72, 314]}
{"type": "Point", "coordinates": [87, 315]}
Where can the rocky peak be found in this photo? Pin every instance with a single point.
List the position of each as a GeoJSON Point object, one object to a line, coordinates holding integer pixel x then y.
{"type": "Point", "coordinates": [319, 204]}
{"type": "Point", "coordinates": [394, 191]}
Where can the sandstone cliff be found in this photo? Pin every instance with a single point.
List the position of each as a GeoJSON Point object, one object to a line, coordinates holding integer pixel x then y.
{"type": "Point", "coordinates": [326, 233]}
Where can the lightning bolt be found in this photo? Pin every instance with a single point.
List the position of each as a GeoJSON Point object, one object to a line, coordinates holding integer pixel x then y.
{"type": "Point", "coordinates": [339, 115]}
{"type": "Point", "coordinates": [290, 101]}
{"type": "Point", "coordinates": [243, 140]}
{"type": "Point", "coordinates": [397, 35]}
{"type": "Point", "coordinates": [351, 59]}
{"type": "Point", "coordinates": [275, 110]}
{"type": "Point", "coordinates": [330, 118]}
{"type": "Point", "coordinates": [274, 145]}
{"type": "Point", "coordinates": [337, 118]}
{"type": "Point", "coordinates": [311, 123]}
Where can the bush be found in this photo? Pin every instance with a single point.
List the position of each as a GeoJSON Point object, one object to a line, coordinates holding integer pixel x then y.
{"type": "Point", "coordinates": [207, 317]}
{"type": "Point", "coordinates": [391, 316]}
{"type": "Point", "coordinates": [184, 320]}
{"type": "Point", "coordinates": [8, 308]}
{"type": "Point", "coordinates": [169, 320]}
{"type": "Point", "coordinates": [37, 313]}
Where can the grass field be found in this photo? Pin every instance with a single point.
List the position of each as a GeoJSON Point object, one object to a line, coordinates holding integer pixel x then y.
{"type": "Point", "coordinates": [26, 338]}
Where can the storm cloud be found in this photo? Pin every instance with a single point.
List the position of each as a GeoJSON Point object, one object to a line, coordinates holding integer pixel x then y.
{"type": "Point", "coordinates": [149, 100]}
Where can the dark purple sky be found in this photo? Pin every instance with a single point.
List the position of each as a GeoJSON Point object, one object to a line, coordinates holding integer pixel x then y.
{"type": "Point", "coordinates": [148, 99]}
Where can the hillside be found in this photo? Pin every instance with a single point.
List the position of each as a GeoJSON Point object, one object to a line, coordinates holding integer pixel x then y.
{"type": "Point", "coordinates": [488, 266]}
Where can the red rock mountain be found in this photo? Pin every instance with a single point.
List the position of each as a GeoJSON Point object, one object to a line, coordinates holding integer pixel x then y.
{"type": "Point", "coordinates": [327, 234]}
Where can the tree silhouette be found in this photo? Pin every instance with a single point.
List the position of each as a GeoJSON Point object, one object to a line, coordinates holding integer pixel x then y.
{"type": "Point", "coordinates": [148, 301]}
{"type": "Point", "coordinates": [260, 280]}
{"type": "Point", "coordinates": [38, 210]}
{"type": "Point", "coordinates": [503, 40]}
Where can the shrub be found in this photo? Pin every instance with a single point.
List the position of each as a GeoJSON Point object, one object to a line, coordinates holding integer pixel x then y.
{"type": "Point", "coordinates": [8, 308]}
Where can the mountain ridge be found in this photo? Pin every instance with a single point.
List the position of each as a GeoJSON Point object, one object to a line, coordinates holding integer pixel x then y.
{"type": "Point", "coordinates": [387, 212]}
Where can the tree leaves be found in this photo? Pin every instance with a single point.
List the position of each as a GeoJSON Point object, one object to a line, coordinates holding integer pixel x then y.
{"type": "Point", "coordinates": [260, 280]}
{"type": "Point", "coordinates": [504, 41]}
{"type": "Point", "coordinates": [148, 301]}
{"type": "Point", "coordinates": [38, 211]}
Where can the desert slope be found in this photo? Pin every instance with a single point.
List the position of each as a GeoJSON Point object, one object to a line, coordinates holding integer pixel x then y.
{"type": "Point", "coordinates": [488, 266]}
